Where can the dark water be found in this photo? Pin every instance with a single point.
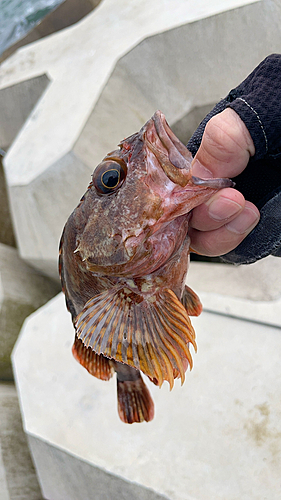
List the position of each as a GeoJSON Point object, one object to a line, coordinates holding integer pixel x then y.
{"type": "Point", "coordinates": [18, 17]}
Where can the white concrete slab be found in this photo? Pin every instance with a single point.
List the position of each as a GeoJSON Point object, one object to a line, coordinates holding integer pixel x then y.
{"type": "Point", "coordinates": [250, 292]}
{"type": "Point", "coordinates": [72, 478]}
{"type": "Point", "coordinates": [218, 437]}
{"type": "Point", "coordinates": [106, 79]}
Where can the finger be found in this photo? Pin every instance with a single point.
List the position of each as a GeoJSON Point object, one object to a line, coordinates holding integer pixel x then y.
{"type": "Point", "coordinates": [226, 146]}
{"type": "Point", "coordinates": [227, 237]}
{"type": "Point", "coordinates": [221, 208]}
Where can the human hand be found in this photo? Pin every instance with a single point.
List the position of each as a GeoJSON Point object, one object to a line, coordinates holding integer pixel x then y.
{"type": "Point", "coordinates": [220, 224]}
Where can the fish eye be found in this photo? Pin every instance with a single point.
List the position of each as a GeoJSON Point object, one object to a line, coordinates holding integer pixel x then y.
{"type": "Point", "coordinates": [109, 176]}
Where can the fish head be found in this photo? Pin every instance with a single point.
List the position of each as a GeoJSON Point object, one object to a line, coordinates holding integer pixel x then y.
{"type": "Point", "coordinates": [134, 213]}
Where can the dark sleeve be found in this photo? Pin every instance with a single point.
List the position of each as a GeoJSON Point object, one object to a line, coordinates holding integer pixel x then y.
{"type": "Point", "coordinates": [257, 100]}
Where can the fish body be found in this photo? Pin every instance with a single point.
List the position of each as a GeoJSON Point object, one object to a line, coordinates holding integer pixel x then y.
{"type": "Point", "coordinates": [123, 261]}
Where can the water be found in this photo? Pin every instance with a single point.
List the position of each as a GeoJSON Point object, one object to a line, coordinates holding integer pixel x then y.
{"type": "Point", "coordinates": [18, 17]}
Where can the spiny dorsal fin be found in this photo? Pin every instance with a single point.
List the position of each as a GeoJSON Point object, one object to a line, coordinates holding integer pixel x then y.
{"type": "Point", "coordinates": [151, 334]}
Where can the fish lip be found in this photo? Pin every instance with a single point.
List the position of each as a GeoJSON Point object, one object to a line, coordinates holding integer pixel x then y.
{"type": "Point", "coordinates": [179, 155]}
{"type": "Point", "coordinates": [177, 160]}
{"type": "Point", "coordinates": [172, 154]}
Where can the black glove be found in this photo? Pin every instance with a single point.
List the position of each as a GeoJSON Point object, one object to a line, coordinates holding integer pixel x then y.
{"type": "Point", "coordinates": [257, 100]}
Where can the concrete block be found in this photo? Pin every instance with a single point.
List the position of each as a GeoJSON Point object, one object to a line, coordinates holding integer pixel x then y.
{"type": "Point", "coordinates": [74, 479]}
{"type": "Point", "coordinates": [215, 438]}
{"type": "Point", "coordinates": [6, 227]}
{"type": "Point", "coordinates": [18, 478]}
{"type": "Point", "coordinates": [22, 290]}
{"type": "Point", "coordinates": [3, 481]}
{"type": "Point", "coordinates": [106, 79]}
{"type": "Point", "coordinates": [251, 292]}
{"type": "Point", "coordinates": [16, 104]}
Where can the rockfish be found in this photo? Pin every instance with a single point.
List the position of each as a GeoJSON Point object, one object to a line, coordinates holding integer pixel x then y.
{"type": "Point", "coordinates": [124, 256]}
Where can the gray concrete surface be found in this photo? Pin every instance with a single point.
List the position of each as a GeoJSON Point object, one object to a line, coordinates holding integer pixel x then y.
{"type": "Point", "coordinates": [18, 480]}
{"type": "Point", "coordinates": [16, 104]}
{"type": "Point", "coordinates": [67, 477]}
{"type": "Point", "coordinates": [217, 437]}
{"type": "Point", "coordinates": [151, 58]}
{"type": "Point", "coordinates": [6, 228]}
{"type": "Point", "coordinates": [22, 290]}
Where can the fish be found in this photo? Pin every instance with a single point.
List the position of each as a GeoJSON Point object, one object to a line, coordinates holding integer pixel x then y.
{"type": "Point", "coordinates": [123, 261]}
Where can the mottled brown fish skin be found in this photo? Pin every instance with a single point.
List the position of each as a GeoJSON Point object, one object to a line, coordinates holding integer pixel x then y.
{"type": "Point", "coordinates": [123, 261]}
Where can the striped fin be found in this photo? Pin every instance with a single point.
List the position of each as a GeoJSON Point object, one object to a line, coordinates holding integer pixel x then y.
{"type": "Point", "coordinates": [134, 401]}
{"type": "Point", "coordinates": [151, 334]}
{"type": "Point", "coordinates": [191, 302]}
{"type": "Point", "coordinates": [97, 365]}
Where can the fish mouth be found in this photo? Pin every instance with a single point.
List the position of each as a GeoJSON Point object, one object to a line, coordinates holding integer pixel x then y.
{"type": "Point", "coordinates": [173, 156]}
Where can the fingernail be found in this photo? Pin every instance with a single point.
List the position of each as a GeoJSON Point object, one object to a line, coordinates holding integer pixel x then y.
{"type": "Point", "coordinates": [244, 223]}
{"type": "Point", "coordinates": [200, 171]}
{"type": "Point", "coordinates": [223, 208]}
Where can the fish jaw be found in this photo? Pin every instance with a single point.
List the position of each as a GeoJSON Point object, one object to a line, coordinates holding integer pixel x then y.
{"type": "Point", "coordinates": [176, 200]}
{"type": "Point", "coordinates": [174, 157]}
{"type": "Point", "coordinates": [169, 167]}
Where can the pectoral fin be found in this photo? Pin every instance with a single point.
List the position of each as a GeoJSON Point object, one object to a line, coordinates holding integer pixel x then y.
{"type": "Point", "coordinates": [151, 334]}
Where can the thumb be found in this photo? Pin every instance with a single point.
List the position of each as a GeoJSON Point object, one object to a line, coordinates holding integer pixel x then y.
{"type": "Point", "coordinates": [225, 148]}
